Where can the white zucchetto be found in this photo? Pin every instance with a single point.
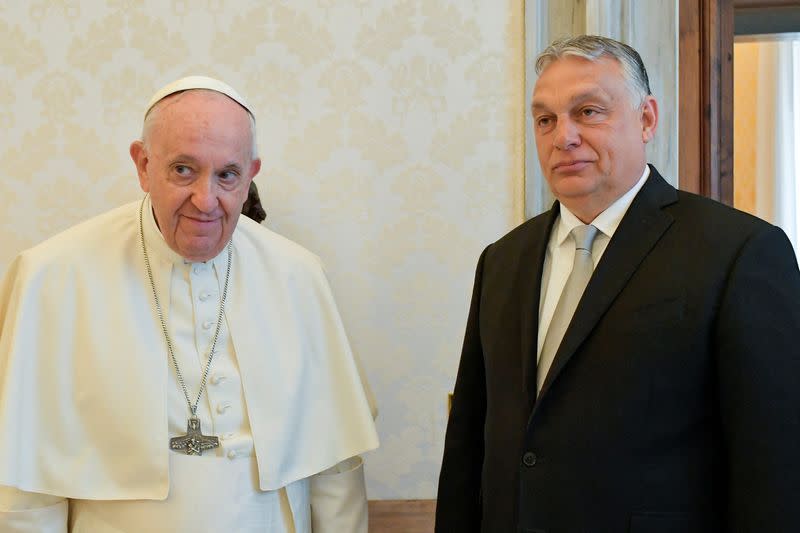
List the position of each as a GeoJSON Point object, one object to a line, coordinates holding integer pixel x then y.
{"type": "Point", "coordinates": [198, 82]}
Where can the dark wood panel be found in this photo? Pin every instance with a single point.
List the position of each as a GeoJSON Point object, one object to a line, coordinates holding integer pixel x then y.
{"type": "Point", "coordinates": [689, 114]}
{"type": "Point", "coordinates": [765, 3]}
{"type": "Point", "coordinates": [766, 20]}
{"type": "Point", "coordinates": [706, 98]}
{"type": "Point", "coordinates": [726, 24]}
{"type": "Point", "coordinates": [401, 516]}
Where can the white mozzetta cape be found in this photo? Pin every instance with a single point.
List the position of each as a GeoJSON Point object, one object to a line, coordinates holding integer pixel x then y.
{"type": "Point", "coordinates": [84, 367]}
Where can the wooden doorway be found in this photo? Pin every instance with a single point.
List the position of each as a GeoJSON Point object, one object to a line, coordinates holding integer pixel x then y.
{"type": "Point", "coordinates": [705, 111]}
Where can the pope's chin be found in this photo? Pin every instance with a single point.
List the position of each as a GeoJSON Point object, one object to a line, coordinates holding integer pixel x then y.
{"type": "Point", "coordinates": [200, 251]}
{"type": "Point", "coordinates": [199, 246]}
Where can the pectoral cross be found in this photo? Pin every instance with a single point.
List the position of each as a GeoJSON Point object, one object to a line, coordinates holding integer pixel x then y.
{"type": "Point", "coordinates": [194, 442]}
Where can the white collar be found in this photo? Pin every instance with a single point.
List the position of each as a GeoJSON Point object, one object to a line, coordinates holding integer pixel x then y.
{"type": "Point", "coordinates": [157, 245]}
{"type": "Point", "coordinates": [608, 221]}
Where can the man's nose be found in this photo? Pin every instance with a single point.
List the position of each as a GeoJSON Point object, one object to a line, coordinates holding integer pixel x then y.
{"type": "Point", "coordinates": [204, 194]}
{"type": "Point", "coordinates": [566, 135]}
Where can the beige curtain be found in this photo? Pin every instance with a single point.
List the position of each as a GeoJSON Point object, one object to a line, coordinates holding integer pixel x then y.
{"type": "Point", "coordinates": [777, 119]}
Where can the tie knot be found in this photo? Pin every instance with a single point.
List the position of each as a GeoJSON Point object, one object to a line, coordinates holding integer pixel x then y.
{"type": "Point", "coordinates": [584, 236]}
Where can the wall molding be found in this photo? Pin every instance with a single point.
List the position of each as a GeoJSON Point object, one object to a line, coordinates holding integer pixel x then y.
{"type": "Point", "coordinates": [401, 516]}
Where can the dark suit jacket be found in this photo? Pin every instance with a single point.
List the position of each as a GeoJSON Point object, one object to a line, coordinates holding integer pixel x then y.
{"type": "Point", "coordinates": [673, 403]}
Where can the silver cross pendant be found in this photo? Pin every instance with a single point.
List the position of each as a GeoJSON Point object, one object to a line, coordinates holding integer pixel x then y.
{"type": "Point", "coordinates": [194, 442]}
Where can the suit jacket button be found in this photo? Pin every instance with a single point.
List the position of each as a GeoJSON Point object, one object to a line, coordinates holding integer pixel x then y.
{"type": "Point", "coordinates": [529, 459]}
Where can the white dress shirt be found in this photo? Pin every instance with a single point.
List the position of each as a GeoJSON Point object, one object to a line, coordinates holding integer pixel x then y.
{"type": "Point", "coordinates": [561, 251]}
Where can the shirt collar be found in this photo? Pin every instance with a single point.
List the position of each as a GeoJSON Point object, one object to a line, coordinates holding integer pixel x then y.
{"type": "Point", "coordinates": [608, 221]}
{"type": "Point", "coordinates": [157, 246]}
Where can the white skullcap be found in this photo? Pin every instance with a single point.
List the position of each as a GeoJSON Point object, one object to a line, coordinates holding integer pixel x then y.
{"type": "Point", "coordinates": [198, 82]}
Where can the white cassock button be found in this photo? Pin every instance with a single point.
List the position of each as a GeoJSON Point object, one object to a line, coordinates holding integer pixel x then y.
{"type": "Point", "coordinates": [232, 454]}
{"type": "Point", "coordinates": [204, 296]}
{"type": "Point", "coordinates": [216, 379]}
{"type": "Point", "coordinates": [227, 436]}
{"type": "Point", "coordinates": [207, 324]}
{"type": "Point", "coordinates": [221, 408]}
{"type": "Point", "coordinates": [197, 270]}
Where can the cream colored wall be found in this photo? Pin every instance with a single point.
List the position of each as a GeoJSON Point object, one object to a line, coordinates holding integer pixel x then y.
{"type": "Point", "coordinates": [391, 133]}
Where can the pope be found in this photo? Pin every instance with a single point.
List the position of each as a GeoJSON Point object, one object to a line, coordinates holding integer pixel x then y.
{"type": "Point", "coordinates": [170, 366]}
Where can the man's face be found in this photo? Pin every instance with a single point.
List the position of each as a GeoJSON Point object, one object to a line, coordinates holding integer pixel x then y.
{"type": "Point", "coordinates": [589, 136]}
{"type": "Point", "coordinates": [196, 165]}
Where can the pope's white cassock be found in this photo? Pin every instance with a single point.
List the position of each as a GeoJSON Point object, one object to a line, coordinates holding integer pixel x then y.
{"type": "Point", "coordinates": [89, 398]}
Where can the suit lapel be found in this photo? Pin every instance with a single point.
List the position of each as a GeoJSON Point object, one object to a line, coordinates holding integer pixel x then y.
{"type": "Point", "coordinates": [640, 229]}
{"type": "Point", "coordinates": [530, 286]}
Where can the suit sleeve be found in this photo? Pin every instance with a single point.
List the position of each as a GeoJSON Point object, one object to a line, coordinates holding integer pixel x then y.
{"type": "Point", "coordinates": [27, 512]}
{"type": "Point", "coordinates": [458, 507]}
{"type": "Point", "coordinates": [758, 367]}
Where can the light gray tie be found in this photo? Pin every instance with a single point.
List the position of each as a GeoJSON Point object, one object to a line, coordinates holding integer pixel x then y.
{"type": "Point", "coordinates": [582, 268]}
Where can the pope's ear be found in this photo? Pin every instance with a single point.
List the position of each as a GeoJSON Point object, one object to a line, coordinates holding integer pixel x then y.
{"type": "Point", "coordinates": [139, 156]}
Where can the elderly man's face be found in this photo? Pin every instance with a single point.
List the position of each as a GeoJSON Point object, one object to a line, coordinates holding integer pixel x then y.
{"type": "Point", "coordinates": [589, 136]}
{"type": "Point", "coordinates": [197, 167]}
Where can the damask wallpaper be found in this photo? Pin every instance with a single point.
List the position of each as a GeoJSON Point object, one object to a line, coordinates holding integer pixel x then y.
{"type": "Point", "coordinates": [391, 135]}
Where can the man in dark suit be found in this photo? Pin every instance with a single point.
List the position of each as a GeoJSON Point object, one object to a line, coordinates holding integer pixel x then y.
{"type": "Point", "coordinates": [630, 361]}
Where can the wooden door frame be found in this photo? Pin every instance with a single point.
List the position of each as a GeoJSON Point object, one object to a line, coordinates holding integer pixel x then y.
{"type": "Point", "coordinates": [705, 89]}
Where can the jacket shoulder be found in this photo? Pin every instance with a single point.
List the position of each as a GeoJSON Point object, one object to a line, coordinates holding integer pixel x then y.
{"type": "Point", "coordinates": [526, 234]}
{"type": "Point", "coordinates": [714, 220]}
